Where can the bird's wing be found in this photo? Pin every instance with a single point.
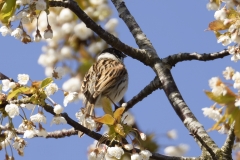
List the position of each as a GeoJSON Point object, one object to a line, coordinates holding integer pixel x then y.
{"type": "Point", "coordinates": [110, 75]}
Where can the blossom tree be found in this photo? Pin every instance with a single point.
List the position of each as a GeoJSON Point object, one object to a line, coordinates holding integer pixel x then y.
{"type": "Point", "coordinates": [73, 36]}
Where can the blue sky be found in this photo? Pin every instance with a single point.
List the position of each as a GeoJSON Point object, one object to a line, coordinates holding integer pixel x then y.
{"type": "Point", "coordinates": [172, 27]}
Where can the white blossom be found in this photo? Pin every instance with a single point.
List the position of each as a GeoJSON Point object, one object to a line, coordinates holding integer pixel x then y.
{"type": "Point", "coordinates": [17, 33]}
{"type": "Point", "coordinates": [111, 24]}
{"type": "Point", "coordinates": [235, 52]}
{"type": "Point", "coordinates": [212, 6]}
{"type": "Point", "coordinates": [12, 110]}
{"type": "Point", "coordinates": [92, 156]}
{"type": "Point", "coordinates": [235, 37]}
{"type": "Point", "coordinates": [5, 30]}
{"type": "Point", "coordinates": [236, 78]}
{"type": "Point", "coordinates": [66, 52]}
{"type": "Point", "coordinates": [143, 136]}
{"type": "Point", "coordinates": [212, 113]}
{"type": "Point", "coordinates": [128, 118]}
{"type": "Point", "coordinates": [23, 126]}
{"type": "Point", "coordinates": [29, 133]}
{"type": "Point", "coordinates": [145, 154]}
{"type": "Point", "coordinates": [172, 134]}
{"type": "Point", "coordinates": [47, 60]}
{"type": "Point", "coordinates": [96, 2]}
{"type": "Point", "coordinates": [80, 116]}
{"type": "Point", "coordinates": [6, 142]}
{"type": "Point", "coordinates": [128, 147]}
{"type": "Point", "coordinates": [116, 152]}
{"type": "Point", "coordinates": [70, 97]}
{"type": "Point", "coordinates": [65, 15]}
{"type": "Point", "coordinates": [136, 156]}
{"type": "Point", "coordinates": [23, 79]}
{"type": "Point", "coordinates": [58, 120]}
{"type": "Point", "coordinates": [51, 89]}
{"type": "Point", "coordinates": [7, 84]}
{"type": "Point", "coordinates": [221, 14]}
{"type": "Point", "coordinates": [48, 34]}
{"type": "Point", "coordinates": [42, 132]}
{"type": "Point", "coordinates": [102, 11]}
{"type": "Point", "coordinates": [176, 150]}
{"type": "Point", "coordinates": [68, 27]}
{"type": "Point", "coordinates": [29, 106]}
{"type": "Point", "coordinates": [91, 124]}
{"type": "Point", "coordinates": [218, 88]}
{"type": "Point", "coordinates": [41, 5]}
{"type": "Point", "coordinates": [82, 32]}
{"type": "Point", "coordinates": [19, 144]}
{"type": "Point", "coordinates": [23, 2]}
{"type": "Point", "coordinates": [223, 130]}
{"type": "Point", "coordinates": [58, 109]}
{"type": "Point", "coordinates": [72, 85]}
{"type": "Point", "coordinates": [228, 73]}
{"type": "Point", "coordinates": [38, 118]}
{"type": "Point", "coordinates": [59, 72]}
{"type": "Point", "coordinates": [96, 47]}
{"type": "Point", "coordinates": [237, 103]}
{"type": "Point", "coordinates": [224, 39]}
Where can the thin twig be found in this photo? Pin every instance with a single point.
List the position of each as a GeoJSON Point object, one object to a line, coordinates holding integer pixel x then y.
{"type": "Point", "coordinates": [152, 86]}
{"type": "Point", "coordinates": [172, 60]}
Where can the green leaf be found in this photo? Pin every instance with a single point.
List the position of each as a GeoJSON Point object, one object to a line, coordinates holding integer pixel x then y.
{"type": "Point", "coordinates": [107, 108]}
{"type": "Point", "coordinates": [46, 82]}
{"type": "Point", "coordinates": [105, 119]}
{"type": "Point", "coordinates": [227, 99]}
{"type": "Point", "coordinates": [7, 11]}
{"type": "Point", "coordinates": [17, 91]}
{"type": "Point", "coordinates": [118, 113]}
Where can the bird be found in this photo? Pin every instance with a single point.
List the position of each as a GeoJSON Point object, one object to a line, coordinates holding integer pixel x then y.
{"type": "Point", "coordinates": [107, 77]}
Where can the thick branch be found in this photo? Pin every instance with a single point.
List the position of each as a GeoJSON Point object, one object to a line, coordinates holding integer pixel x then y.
{"type": "Point", "coordinates": [132, 25]}
{"type": "Point", "coordinates": [179, 105]}
{"type": "Point", "coordinates": [228, 145]}
{"type": "Point", "coordinates": [109, 38]}
{"type": "Point", "coordinates": [172, 60]}
{"type": "Point", "coordinates": [152, 86]}
{"type": "Point", "coordinates": [210, 151]}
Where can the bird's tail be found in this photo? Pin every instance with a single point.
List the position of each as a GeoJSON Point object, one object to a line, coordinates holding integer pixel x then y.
{"type": "Point", "coordinates": [88, 111]}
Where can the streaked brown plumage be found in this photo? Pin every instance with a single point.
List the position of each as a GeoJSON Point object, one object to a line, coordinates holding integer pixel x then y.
{"type": "Point", "coordinates": [107, 77]}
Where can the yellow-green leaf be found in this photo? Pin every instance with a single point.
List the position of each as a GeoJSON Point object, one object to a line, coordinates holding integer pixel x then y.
{"type": "Point", "coordinates": [118, 113]}
{"type": "Point", "coordinates": [46, 82]}
{"type": "Point", "coordinates": [227, 99]}
{"type": "Point", "coordinates": [106, 119]}
{"type": "Point", "coordinates": [232, 13]}
{"type": "Point", "coordinates": [7, 11]}
{"type": "Point", "coordinates": [17, 91]}
{"type": "Point", "coordinates": [217, 25]}
{"type": "Point", "coordinates": [107, 108]}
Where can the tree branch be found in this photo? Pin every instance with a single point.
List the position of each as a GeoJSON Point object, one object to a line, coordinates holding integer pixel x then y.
{"type": "Point", "coordinates": [142, 41]}
{"type": "Point", "coordinates": [55, 134]}
{"type": "Point", "coordinates": [172, 60]}
{"type": "Point", "coordinates": [162, 71]}
{"type": "Point", "coordinates": [228, 145]}
{"type": "Point", "coordinates": [152, 86]}
{"type": "Point", "coordinates": [109, 38]}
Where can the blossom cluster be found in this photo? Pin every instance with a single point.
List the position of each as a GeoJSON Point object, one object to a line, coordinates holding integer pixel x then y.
{"type": "Point", "coordinates": [26, 14]}
{"type": "Point", "coordinates": [225, 97]}
{"type": "Point", "coordinates": [10, 91]}
{"type": "Point", "coordinates": [227, 25]}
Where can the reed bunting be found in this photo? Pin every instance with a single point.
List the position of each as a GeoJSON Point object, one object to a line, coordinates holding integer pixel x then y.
{"type": "Point", "coordinates": [107, 77]}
